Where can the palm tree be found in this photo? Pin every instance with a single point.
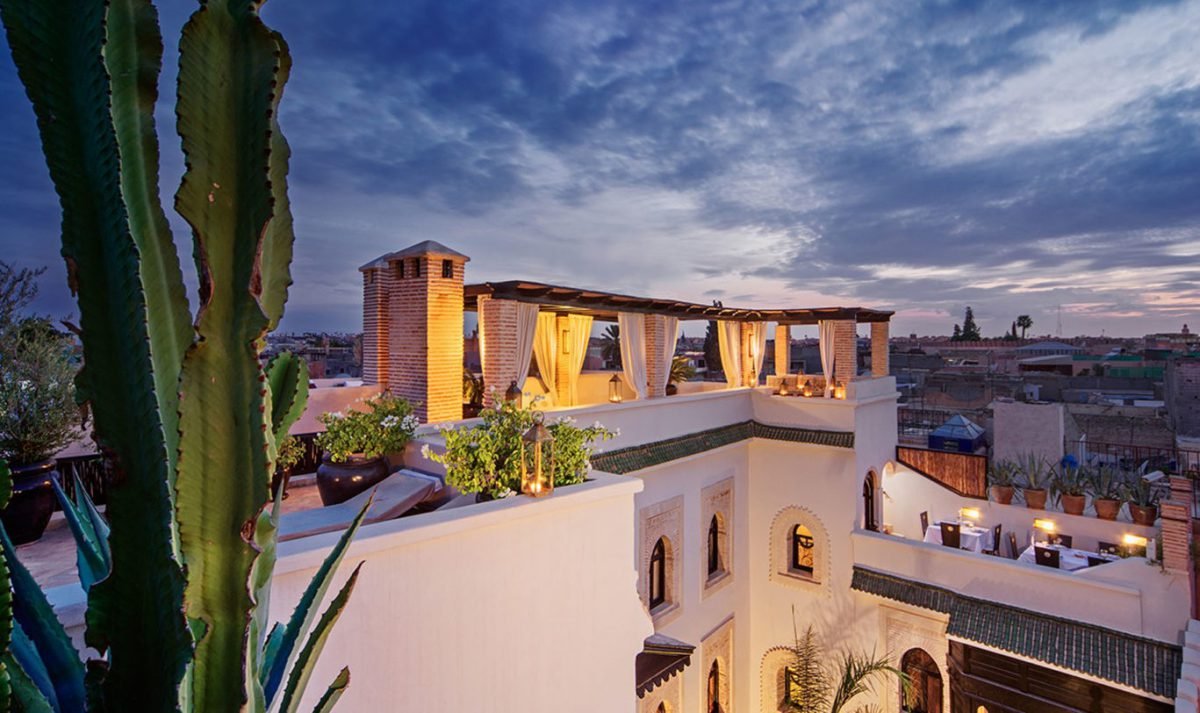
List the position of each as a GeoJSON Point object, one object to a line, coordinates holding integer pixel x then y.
{"type": "Point", "coordinates": [610, 345]}
{"type": "Point", "coordinates": [681, 370]}
{"type": "Point", "coordinates": [1024, 322]}
{"type": "Point", "coordinates": [811, 689]}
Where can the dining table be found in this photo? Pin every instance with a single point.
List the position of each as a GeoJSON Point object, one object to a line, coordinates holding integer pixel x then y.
{"type": "Point", "coordinates": [1069, 559]}
{"type": "Point", "coordinates": [970, 537]}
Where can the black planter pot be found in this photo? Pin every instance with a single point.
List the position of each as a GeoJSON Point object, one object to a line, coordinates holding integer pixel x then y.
{"type": "Point", "coordinates": [32, 503]}
{"type": "Point", "coordinates": [338, 482]}
{"type": "Point", "coordinates": [672, 389]}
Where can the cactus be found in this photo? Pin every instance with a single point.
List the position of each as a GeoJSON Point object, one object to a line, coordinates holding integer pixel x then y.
{"type": "Point", "coordinates": [179, 576]}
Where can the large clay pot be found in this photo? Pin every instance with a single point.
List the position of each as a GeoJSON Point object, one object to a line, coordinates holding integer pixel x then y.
{"type": "Point", "coordinates": [1107, 508]}
{"type": "Point", "coordinates": [1035, 499]}
{"type": "Point", "coordinates": [1002, 494]}
{"type": "Point", "coordinates": [1143, 515]}
{"type": "Point", "coordinates": [338, 482]}
{"type": "Point", "coordinates": [32, 503]}
{"type": "Point", "coordinates": [1073, 504]}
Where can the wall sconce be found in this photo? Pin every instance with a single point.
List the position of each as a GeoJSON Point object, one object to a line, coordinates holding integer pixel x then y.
{"type": "Point", "coordinates": [1044, 525]}
{"type": "Point", "coordinates": [537, 479]}
{"type": "Point", "coordinates": [970, 514]}
{"type": "Point", "coordinates": [513, 394]}
{"type": "Point", "coordinates": [1136, 546]}
{"type": "Point", "coordinates": [565, 341]}
{"type": "Point", "coordinates": [614, 389]}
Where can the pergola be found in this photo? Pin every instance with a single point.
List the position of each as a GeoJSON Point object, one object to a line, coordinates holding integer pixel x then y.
{"type": "Point", "coordinates": [605, 306]}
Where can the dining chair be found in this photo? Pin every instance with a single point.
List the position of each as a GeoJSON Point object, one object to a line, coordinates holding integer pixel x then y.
{"type": "Point", "coordinates": [1013, 552]}
{"type": "Point", "coordinates": [1108, 548]}
{"type": "Point", "coordinates": [1046, 556]}
{"type": "Point", "coordinates": [1062, 540]}
{"type": "Point", "coordinates": [924, 522]}
{"type": "Point", "coordinates": [951, 534]}
{"type": "Point", "coordinates": [1094, 561]}
{"type": "Point", "coordinates": [996, 541]}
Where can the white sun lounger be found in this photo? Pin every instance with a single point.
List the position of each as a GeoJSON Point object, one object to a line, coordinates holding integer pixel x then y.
{"type": "Point", "coordinates": [395, 495]}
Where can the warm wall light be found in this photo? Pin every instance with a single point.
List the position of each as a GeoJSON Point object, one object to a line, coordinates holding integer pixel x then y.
{"type": "Point", "coordinates": [565, 341]}
{"type": "Point", "coordinates": [537, 469]}
{"type": "Point", "coordinates": [1135, 540]}
{"type": "Point", "coordinates": [807, 390]}
{"type": "Point", "coordinates": [1044, 525]}
{"type": "Point", "coordinates": [839, 391]}
{"type": "Point", "coordinates": [614, 389]}
{"type": "Point", "coordinates": [971, 514]}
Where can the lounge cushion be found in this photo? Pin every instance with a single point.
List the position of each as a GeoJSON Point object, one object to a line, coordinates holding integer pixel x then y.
{"type": "Point", "coordinates": [394, 496]}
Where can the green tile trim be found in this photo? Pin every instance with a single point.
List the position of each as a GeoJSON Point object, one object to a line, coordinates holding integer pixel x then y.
{"type": "Point", "coordinates": [635, 458]}
{"type": "Point", "coordinates": [1134, 661]}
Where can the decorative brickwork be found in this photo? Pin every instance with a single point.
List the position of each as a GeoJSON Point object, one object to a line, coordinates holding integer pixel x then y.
{"type": "Point", "coordinates": [499, 335]}
{"type": "Point", "coordinates": [845, 352]}
{"type": "Point", "coordinates": [664, 521]}
{"type": "Point", "coordinates": [716, 500]}
{"type": "Point", "coordinates": [656, 346]}
{"type": "Point", "coordinates": [880, 358]}
{"type": "Point", "coordinates": [749, 378]}
{"type": "Point", "coordinates": [376, 291]}
{"type": "Point", "coordinates": [783, 349]}
{"type": "Point", "coordinates": [562, 367]}
{"type": "Point", "coordinates": [717, 648]}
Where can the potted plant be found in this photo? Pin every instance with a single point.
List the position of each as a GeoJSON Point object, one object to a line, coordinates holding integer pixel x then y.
{"type": "Point", "coordinates": [291, 450]}
{"type": "Point", "coordinates": [1001, 475]}
{"type": "Point", "coordinates": [484, 460]}
{"type": "Point", "coordinates": [1107, 488]}
{"type": "Point", "coordinates": [356, 444]}
{"type": "Point", "coordinates": [1143, 500]}
{"type": "Point", "coordinates": [681, 370]}
{"type": "Point", "coordinates": [1069, 485]}
{"type": "Point", "coordinates": [38, 417]}
{"type": "Point", "coordinates": [1034, 479]}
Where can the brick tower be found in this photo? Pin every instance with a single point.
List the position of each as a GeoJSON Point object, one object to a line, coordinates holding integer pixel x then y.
{"type": "Point", "coordinates": [413, 327]}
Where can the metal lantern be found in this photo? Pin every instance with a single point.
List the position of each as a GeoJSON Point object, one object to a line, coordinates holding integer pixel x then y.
{"type": "Point", "coordinates": [783, 387]}
{"type": "Point", "coordinates": [537, 468]}
{"type": "Point", "coordinates": [839, 391]}
{"type": "Point", "coordinates": [807, 390]}
{"type": "Point", "coordinates": [614, 389]}
{"type": "Point", "coordinates": [513, 394]}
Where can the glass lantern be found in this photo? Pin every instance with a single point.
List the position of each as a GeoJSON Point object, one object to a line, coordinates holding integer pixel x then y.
{"type": "Point", "coordinates": [513, 394]}
{"type": "Point", "coordinates": [537, 459]}
{"type": "Point", "coordinates": [614, 389]}
{"type": "Point", "coordinates": [807, 390]}
{"type": "Point", "coordinates": [839, 391]}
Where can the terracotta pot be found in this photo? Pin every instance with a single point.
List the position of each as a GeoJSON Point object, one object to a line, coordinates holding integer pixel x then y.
{"type": "Point", "coordinates": [338, 482]}
{"type": "Point", "coordinates": [1002, 494]}
{"type": "Point", "coordinates": [1107, 508]}
{"type": "Point", "coordinates": [1035, 499]}
{"type": "Point", "coordinates": [32, 502]}
{"type": "Point", "coordinates": [1073, 504]}
{"type": "Point", "coordinates": [1143, 515]}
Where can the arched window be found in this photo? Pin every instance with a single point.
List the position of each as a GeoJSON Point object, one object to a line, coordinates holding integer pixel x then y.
{"type": "Point", "coordinates": [714, 547]}
{"type": "Point", "coordinates": [658, 573]}
{"type": "Point", "coordinates": [924, 694]}
{"type": "Point", "coordinates": [869, 518]}
{"type": "Point", "coordinates": [802, 550]}
{"type": "Point", "coordinates": [714, 688]}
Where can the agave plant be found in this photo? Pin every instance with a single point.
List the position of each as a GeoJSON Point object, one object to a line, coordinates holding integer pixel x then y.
{"type": "Point", "coordinates": [181, 405]}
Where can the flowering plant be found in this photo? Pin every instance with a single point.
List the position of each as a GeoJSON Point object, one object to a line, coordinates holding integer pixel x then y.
{"type": "Point", "coordinates": [486, 458]}
{"type": "Point", "coordinates": [386, 427]}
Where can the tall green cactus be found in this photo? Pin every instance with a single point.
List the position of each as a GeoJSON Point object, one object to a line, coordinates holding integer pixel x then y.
{"type": "Point", "coordinates": [189, 417]}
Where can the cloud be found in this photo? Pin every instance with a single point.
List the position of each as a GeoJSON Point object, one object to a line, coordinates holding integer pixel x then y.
{"type": "Point", "coordinates": [915, 156]}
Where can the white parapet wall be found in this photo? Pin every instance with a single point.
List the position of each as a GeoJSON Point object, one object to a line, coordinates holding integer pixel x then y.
{"type": "Point", "coordinates": [486, 607]}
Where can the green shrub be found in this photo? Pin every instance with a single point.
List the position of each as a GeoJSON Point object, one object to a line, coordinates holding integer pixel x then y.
{"type": "Point", "coordinates": [386, 427]}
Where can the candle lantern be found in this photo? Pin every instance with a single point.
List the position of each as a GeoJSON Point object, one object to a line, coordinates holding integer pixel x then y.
{"type": "Point", "coordinates": [807, 390]}
{"type": "Point", "coordinates": [537, 459]}
{"type": "Point", "coordinates": [513, 394]}
{"type": "Point", "coordinates": [839, 391]}
{"type": "Point", "coordinates": [614, 389]}
{"type": "Point", "coordinates": [783, 387]}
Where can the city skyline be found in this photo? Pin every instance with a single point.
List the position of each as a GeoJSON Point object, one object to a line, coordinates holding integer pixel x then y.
{"type": "Point", "coordinates": [918, 159]}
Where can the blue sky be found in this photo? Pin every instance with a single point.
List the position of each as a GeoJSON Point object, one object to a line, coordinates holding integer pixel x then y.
{"type": "Point", "coordinates": [1017, 157]}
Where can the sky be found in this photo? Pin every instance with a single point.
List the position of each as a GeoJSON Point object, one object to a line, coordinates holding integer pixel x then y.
{"type": "Point", "coordinates": [1021, 158]}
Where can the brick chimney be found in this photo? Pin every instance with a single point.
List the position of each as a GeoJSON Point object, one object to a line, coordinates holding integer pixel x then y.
{"type": "Point", "coordinates": [413, 327]}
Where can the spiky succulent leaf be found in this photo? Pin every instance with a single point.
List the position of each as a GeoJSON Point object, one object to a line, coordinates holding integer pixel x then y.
{"type": "Point", "coordinates": [58, 48]}
{"type": "Point", "coordinates": [90, 555]}
{"type": "Point", "coordinates": [306, 610]}
{"type": "Point", "coordinates": [25, 693]}
{"type": "Point", "coordinates": [265, 540]}
{"type": "Point", "coordinates": [6, 602]}
{"type": "Point", "coordinates": [90, 515]}
{"type": "Point", "coordinates": [340, 683]}
{"type": "Point", "coordinates": [25, 654]}
{"type": "Point", "coordinates": [280, 236]}
{"type": "Point", "coordinates": [227, 70]}
{"type": "Point", "coordinates": [35, 620]}
{"type": "Point", "coordinates": [287, 375]}
{"type": "Point", "coordinates": [302, 671]}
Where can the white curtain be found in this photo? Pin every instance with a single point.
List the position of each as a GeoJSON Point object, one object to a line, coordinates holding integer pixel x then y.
{"type": "Point", "coordinates": [545, 350]}
{"type": "Point", "coordinates": [758, 347]}
{"type": "Point", "coordinates": [527, 320]}
{"type": "Point", "coordinates": [729, 339]}
{"type": "Point", "coordinates": [670, 337]}
{"type": "Point", "coordinates": [633, 351]}
{"type": "Point", "coordinates": [578, 335]}
{"type": "Point", "coordinates": [826, 329]}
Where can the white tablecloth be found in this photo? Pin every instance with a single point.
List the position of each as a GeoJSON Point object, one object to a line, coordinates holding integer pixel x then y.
{"type": "Point", "coordinates": [975, 539]}
{"type": "Point", "coordinates": [1068, 558]}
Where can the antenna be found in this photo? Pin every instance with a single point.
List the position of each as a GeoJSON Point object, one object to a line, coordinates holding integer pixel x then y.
{"type": "Point", "coordinates": [1058, 327]}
